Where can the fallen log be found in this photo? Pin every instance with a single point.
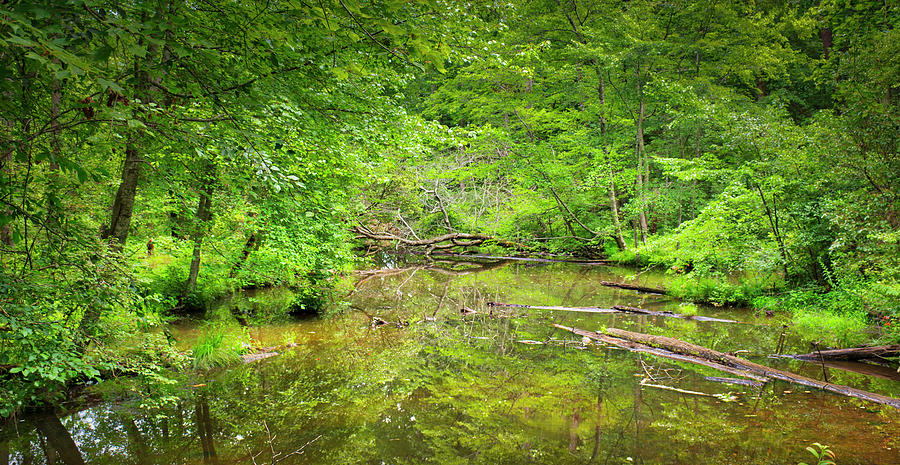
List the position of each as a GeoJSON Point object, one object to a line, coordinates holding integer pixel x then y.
{"type": "Point", "coordinates": [856, 353]}
{"type": "Point", "coordinates": [635, 347]}
{"type": "Point", "coordinates": [634, 287]}
{"type": "Point", "coordinates": [686, 348]}
{"type": "Point", "coordinates": [644, 311]}
{"type": "Point", "coordinates": [616, 309]}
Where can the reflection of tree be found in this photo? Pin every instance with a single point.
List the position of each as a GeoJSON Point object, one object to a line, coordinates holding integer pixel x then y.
{"type": "Point", "coordinates": [205, 429]}
{"type": "Point", "coordinates": [59, 443]}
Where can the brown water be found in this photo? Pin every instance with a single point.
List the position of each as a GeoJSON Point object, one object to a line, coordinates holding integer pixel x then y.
{"type": "Point", "coordinates": [454, 389]}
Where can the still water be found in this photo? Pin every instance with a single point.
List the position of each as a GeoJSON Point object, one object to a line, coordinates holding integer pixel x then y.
{"type": "Point", "coordinates": [494, 385]}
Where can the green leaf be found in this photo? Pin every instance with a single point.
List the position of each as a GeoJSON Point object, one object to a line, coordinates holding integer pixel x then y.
{"type": "Point", "coordinates": [102, 54]}
{"type": "Point", "coordinates": [110, 85]}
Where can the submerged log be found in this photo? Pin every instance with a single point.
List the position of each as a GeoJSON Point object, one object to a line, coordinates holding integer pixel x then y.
{"type": "Point", "coordinates": [675, 389]}
{"type": "Point", "coordinates": [526, 259]}
{"type": "Point", "coordinates": [644, 311]}
{"type": "Point", "coordinates": [741, 382]}
{"type": "Point", "coordinates": [249, 358]}
{"type": "Point", "coordinates": [616, 309]}
{"type": "Point", "coordinates": [551, 307]}
{"type": "Point", "coordinates": [856, 353]}
{"type": "Point", "coordinates": [731, 361]}
{"type": "Point", "coordinates": [634, 287]}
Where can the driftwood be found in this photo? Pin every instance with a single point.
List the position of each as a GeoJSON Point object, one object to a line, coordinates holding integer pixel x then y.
{"type": "Point", "coordinates": [685, 348]}
{"type": "Point", "coordinates": [474, 268]}
{"type": "Point", "coordinates": [615, 309]}
{"type": "Point", "coordinates": [857, 353]}
{"type": "Point", "coordinates": [443, 242]}
{"type": "Point", "coordinates": [634, 287]}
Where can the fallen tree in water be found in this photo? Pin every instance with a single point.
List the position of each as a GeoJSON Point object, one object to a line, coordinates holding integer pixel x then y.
{"type": "Point", "coordinates": [732, 364]}
{"type": "Point", "coordinates": [659, 352]}
{"type": "Point", "coordinates": [443, 242]}
{"type": "Point", "coordinates": [527, 259]}
{"type": "Point", "coordinates": [634, 287]}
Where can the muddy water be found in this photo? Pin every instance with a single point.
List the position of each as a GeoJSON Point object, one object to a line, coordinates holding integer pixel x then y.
{"type": "Point", "coordinates": [499, 385]}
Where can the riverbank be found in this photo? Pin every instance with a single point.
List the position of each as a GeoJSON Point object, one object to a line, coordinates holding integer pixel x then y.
{"type": "Point", "coordinates": [492, 380]}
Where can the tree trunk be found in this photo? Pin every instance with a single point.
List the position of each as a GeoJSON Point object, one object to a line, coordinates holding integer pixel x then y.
{"type": "Point", "coordinates": [249, 245]}
{"type": "Point", "coordinates": [827, 40]}
{"type": "Point", "coordinates": [54, 209]}
{"type": "Point", "coordinates": [6, 164]}
{"type": "Point", "coordinates": [613, 202]}
{"type": "Point", "coordinates": [123, 205]}
{"type": "Point", "coordinates": [772, 215]}
{"type": "Point", "coordinates": [643, 171]}
{"type": "Point", "coordinates": [614, 208]}
{"type": "Point", "coordinates": [55, 100]}
{"type": "Point", "coordinates": [204, 214]}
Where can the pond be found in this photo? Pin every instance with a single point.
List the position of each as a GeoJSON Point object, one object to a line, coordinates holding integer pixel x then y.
{"type": "Point", "coordinates": [493, 385]}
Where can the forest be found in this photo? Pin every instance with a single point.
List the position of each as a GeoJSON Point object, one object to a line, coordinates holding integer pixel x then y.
{"type": "Point", "coordinates": [159, 156]}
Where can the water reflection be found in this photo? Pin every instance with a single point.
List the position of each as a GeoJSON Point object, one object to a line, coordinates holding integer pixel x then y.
{"type": "Point", "coordinates": [460, 387]}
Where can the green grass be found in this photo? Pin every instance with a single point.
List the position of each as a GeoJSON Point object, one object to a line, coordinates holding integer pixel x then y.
{"type": "Point", "coordinates": [838, 318]}
{"type": "Point", "coordinates": [832, 328]}
{"type": "Point", "coordinates": [218, 346]}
